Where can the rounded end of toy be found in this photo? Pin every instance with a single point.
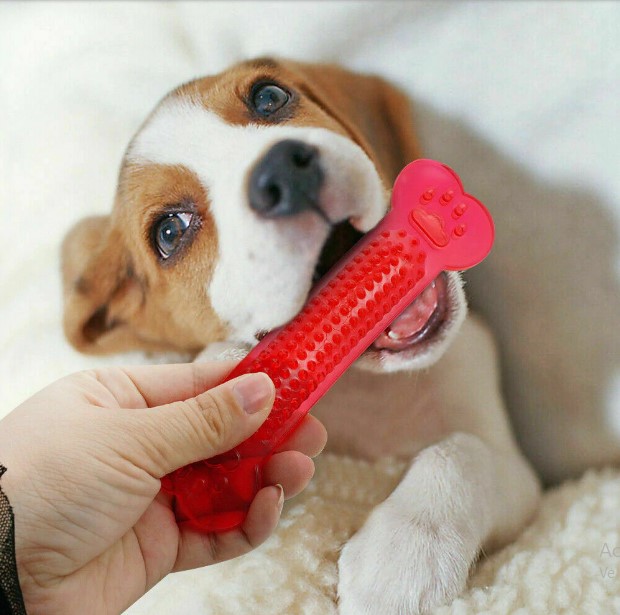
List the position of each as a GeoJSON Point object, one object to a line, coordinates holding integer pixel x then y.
{"type": "Point", "coordinates": [215, 495]}
{"type": "Point", "coordinates": [428, 196]}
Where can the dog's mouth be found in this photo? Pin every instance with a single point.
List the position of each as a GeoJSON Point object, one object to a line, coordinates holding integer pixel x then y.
{"type": "Point", "coordinates": [340, 240]}
{"type": "Point", "coordinates": [417, 323]}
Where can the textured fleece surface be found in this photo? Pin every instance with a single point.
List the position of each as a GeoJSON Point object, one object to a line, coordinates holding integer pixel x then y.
{"type": "Point", "coordinates": [563, 563]}
{"type": "Point", "coordinates": [520, 98]}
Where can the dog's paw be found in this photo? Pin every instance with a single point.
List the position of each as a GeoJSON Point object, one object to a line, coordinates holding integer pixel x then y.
{"type": "Point", "coordinates": [402, 566]}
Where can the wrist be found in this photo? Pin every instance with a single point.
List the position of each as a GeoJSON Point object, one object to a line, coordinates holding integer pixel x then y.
{"type": "Point", "coordinates": [11, 598]}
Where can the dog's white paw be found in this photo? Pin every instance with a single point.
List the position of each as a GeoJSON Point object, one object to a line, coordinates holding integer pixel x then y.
{"type": "Point", "coordinates": [401, 566]}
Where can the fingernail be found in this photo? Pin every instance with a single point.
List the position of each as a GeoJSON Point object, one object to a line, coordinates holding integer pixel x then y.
{"type": "Point", "coordinates": [281, 498]}
{"type": "Point", "coordinates": [254, 392]}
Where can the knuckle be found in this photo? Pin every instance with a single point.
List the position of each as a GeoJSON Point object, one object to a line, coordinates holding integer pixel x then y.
{"type": "Point", "coordinates": [210, 418]}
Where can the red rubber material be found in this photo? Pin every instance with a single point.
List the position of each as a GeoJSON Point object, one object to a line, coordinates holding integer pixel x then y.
{"type": "Point", "coordinates": [432, 226]}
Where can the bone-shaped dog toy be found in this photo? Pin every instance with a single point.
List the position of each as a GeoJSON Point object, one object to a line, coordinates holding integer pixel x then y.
{"type": "Point", "coordinates": [432, 226]}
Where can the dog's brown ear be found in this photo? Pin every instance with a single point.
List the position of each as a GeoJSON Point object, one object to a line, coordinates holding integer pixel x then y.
{"type": "Point", "coordinates": [376, 114]}
{"type": "Point", "coordinates": [101, 294]}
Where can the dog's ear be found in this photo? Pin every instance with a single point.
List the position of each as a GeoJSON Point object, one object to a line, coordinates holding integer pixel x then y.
{"type": "Point", "coordinates": [376, 114]}
{"type": "Point", "coordinates": [101, 294]}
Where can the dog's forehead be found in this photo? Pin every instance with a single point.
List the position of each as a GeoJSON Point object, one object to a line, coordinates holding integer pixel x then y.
{"type": "Point", "coordinates": [224, 92]}
{"type": "Point", "coordinates": [223, 95]}
{"type": "Point", "coordinates": [209, 117]}
{"type": "Point", "coordinates": [197, 124]}
{"type": "Point", "coordinates": [182, 131]}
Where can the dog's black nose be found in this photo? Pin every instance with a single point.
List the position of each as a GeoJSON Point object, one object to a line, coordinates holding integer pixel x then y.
{"type": "Point", "coordinates": [287, 180]}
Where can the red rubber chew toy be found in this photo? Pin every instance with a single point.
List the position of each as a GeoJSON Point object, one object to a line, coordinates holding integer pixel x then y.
{"type": "Point", "coordinates": [432, 226]}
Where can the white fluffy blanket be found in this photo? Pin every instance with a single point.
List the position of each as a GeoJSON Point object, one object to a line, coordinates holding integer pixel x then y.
{"type": "Point", "coordinates": [563, 563]}
{"type": "Point", "coordinates": [520, 98]}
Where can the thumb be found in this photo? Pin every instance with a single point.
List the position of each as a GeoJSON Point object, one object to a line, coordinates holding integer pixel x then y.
{"type": "Point", "coordinates": [182, 432]}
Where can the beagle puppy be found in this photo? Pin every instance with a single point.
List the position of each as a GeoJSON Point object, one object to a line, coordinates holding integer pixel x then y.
{"type": "Point", "coordinates": [235, 196]}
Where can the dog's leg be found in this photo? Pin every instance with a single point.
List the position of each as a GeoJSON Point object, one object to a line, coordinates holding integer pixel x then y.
{"type": "Point", "coordinates": [416, 549]}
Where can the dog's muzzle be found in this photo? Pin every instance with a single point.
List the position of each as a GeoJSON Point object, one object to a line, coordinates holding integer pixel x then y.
{"type": "Point", "coordinates": [287, 180]}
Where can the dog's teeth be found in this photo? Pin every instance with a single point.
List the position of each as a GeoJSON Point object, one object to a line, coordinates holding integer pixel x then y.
{"type": "Point", "coordinates": [393, 336]}
{"type": "Point", "coordinates": [259, 335]}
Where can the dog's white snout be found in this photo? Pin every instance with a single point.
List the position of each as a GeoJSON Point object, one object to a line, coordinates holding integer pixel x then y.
{"type": "Point", "coordinates": [352, 188]}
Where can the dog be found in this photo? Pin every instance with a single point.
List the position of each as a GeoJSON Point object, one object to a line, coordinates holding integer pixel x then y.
{"type": "Point", "coordinates": [237, 193]}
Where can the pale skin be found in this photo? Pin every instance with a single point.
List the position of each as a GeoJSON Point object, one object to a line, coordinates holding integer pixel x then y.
{"type": "Point", "coordinates": [85, 457]}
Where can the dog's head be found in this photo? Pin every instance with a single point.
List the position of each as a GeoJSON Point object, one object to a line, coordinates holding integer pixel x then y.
{"type": "Point", "coordinates": [237, 193]}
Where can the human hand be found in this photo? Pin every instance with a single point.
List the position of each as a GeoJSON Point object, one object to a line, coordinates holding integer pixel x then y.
{"type": "Point", "coordinates": [84, 459]}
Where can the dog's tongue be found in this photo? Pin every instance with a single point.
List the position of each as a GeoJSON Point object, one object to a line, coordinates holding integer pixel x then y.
{"type": "Point", "coordinates": [410, 323]}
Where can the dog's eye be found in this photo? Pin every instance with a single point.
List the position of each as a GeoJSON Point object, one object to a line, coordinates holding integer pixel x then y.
{"type": "Point", "coordinates": [268, 98]}
{"type": "Point", "coordinates": [169, 231]}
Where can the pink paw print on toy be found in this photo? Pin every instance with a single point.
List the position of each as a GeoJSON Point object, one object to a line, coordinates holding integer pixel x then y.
{"type": "Point", "coordinates": [453, 222]}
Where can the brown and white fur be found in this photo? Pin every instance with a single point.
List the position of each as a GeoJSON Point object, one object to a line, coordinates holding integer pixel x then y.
{"type": "Point", "coordinates": [238, 273]}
